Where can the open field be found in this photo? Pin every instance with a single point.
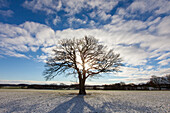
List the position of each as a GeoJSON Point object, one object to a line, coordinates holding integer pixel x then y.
{"type": "Point", "coordinates": [63, 101]}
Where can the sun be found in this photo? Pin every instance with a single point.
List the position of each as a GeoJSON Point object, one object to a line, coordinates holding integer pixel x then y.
{"type": "Point", "coordinates": [87, 66]}
{"type": "Point", "coordinates": [80, 63]}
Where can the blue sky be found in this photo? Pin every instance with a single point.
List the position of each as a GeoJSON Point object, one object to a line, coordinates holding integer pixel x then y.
{"type": "Point", "coordinates": [137, 29]}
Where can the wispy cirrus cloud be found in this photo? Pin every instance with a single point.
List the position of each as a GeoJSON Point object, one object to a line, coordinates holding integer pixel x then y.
{"type": "Point", "coordinates": [145, 9]}
{"type": "Point", "coordinates": [155, 6]}
{"type": "Point", "coordinates": [50, 7]}
{"type": "Point", "coordinates": [70, 8]}
{"type": "Point", "coordinates": [6, 13]}
{"type": "Point", "coordinates": [4, 9]}
{"type": "Point", "coordinates": [138, 75]}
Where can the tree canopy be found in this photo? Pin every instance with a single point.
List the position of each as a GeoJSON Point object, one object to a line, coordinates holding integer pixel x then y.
{"type": "Point", "coordinates": [85, 57]}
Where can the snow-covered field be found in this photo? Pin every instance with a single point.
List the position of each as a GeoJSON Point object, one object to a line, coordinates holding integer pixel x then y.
{"type": "Point", "coordinates": [66, 101]}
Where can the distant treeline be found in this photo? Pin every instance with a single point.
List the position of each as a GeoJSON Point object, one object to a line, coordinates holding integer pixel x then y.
{"type": "Point", "coordinates": [117, 86]}
{"type": "Point", "coordinates": [155, 83]}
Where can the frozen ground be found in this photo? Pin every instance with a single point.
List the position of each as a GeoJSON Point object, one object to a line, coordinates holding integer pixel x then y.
{"type": "Point", "coordinates": [51, 101]}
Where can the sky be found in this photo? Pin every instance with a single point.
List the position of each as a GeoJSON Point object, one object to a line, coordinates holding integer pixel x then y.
{"type": "Point", "coordinates": [139, 30]}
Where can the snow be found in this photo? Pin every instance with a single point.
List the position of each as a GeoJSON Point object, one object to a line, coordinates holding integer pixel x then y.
{"type": "Point", "coordinates": [66, 101]}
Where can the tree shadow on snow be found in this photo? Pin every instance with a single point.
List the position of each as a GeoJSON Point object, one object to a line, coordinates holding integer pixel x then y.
{"type": "Point", "coordinates": [117, 106]}
{"type": "Point", "coordinates": [77, 105]}
{"type": "Point", "coordinates": [74, 105]}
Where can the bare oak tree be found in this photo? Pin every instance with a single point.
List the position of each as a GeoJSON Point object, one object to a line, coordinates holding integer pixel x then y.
{"type": "Point", "coordinates": [85, 57]}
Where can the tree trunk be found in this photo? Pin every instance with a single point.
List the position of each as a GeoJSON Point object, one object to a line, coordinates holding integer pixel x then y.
{"type": "Point", "coordinates": [82, 90]}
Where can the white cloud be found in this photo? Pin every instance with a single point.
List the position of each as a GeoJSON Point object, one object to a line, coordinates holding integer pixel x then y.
{"type": "Point", "coordinates": [121, 11]}
{"type": "Point", "coordinates": [138, 75]}
{"type": "Point", "coordinates": [32, 82]}
{"type": "Point", "coordinates": [153, 22]}
{"type": "Point", "coordinates": [138, 6]}
{"type": "Point", "coordinates": [155, 54]}
{"type": "Point", "coordinates": [32, 27]}
{"type": "Point", "coordinates": [56, 20]}
{"type": "Point", "coordinates": [102, 8]}
{"type": "Point", "coordinates": [133, 75]}
{"type": "Point", "coordinates": [75, 21]}
{"type": "Point", "coordinates": [131, 80]}
{"type": "Point", "coordinates": [130, 51]}
{"type": "Point", "coordinates": [133, 55]}
{"type": "Point", "coordinates": [14, 54]}
{"type": "Point", "coordinates": [72, 7]}
{"type": "Point", "coordinates": [48, 50]}
{"type": "Point", "coordinates": [101, 11]}
{"type": "Point", "coordinates": [25, 37]}
{"type": "Point", "coordinates": [164, 62]}
{"type": "Point", "coordinates": [163, 71]}
{"type": "Point", "coordinates": [11, 30]}
{"type": "Point", "coordinates": [6, 13]}
{"type": "Point", "coordinates": [47, 82]}
{"type": "Point", "coordinates": [160, 26]}
{"type": "Point", "coordinates": [164, 26]}
{"type": "Point", "coordinates": [138, 42]}
{"type": "Point", "coordinates": [143, 6]}
{"type": "Point", "coordinates": [45, 37]}
{"type": "Point", "coordinates": [42, 58]}
{"type": "Point", "coordinates": [92, 24]}
{"type": "Point", "coordinates": [157, 43]}
{"type": "Point", "coordinates": [163, 7]}
{"type": "Point", "coordinates": [34, 49]}
{"type": "Point", "coordinates": [50, 6]}
{"type": "Point", "coordinates": [163, 56]}
{"type": "Point", "coordinates": [105, 5]}
{"type": "Point", "coordinates": [120, 25]}
{"type": "Point", "coordinates": [135, 47]}
{"type": "Point", "coordinates": [149, 67]}
{"type": "Point", "coordinates": [36, 35]}
{"type": "Point", "coordinates": [103, 16]}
